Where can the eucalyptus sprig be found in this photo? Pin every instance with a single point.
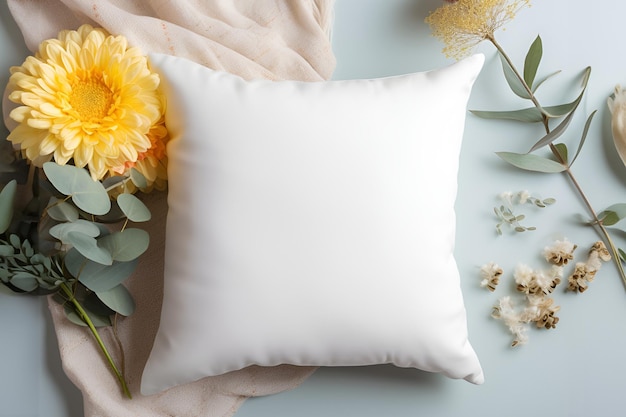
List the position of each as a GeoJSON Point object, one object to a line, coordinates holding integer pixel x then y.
{"type": "Point", "coordinates": [525, 87]}
{"type": "Point", "coordinates": [463, 24]}
{"type": "Point", "coordinates": [86, 247]}
{"type": "Point", "coordinates": [506, 214]}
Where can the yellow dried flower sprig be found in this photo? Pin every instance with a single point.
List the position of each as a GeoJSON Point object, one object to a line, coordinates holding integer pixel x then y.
{"type": "Point", "coordinates": [463, 24]}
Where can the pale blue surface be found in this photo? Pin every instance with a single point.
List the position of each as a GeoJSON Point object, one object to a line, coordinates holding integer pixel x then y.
{"type": "Point", "coordinates": [575, 370]}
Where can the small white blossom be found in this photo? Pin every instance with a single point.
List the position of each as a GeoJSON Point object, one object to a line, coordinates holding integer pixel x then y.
{"type": "Point", "coordinates": [523, 196]}
{"type": "Point", "coordinates": [505, 311]}
{"type": "Point", "coordinates": [507, 198]}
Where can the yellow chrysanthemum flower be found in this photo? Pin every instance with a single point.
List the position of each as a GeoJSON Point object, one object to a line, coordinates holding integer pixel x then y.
{"type": "Point", "coordinates": [152, 164]}
{"type": "Point", "coordinates": [85, 97]}
{"type": "Point", "coordinates": [463, 24]}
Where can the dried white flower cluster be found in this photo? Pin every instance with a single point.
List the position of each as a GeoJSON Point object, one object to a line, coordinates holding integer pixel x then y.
{"type": "Point", "coordinates": [539, 308]}
{"type": "Point", "coordinates": [585, 272]}
{"type": "Point", "coordinates": [560, 253]}
{"type": "Point", "coordinates": [490, 274]}
{"type": "Point", "coordinates": [537, 287]}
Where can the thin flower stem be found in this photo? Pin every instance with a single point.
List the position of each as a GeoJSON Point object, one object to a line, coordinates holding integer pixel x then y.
{"type": "Point", "coordinates": [83, 315]}
{"type": "Point", "coordinates": [595, 219]}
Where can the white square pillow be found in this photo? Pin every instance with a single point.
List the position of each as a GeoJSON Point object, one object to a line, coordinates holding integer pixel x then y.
{"type": "Point", "coordinates": [311, 223]}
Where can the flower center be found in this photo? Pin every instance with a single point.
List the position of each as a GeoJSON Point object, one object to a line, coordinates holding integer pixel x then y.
{"type": "Point", "coordinates": [91, 98]}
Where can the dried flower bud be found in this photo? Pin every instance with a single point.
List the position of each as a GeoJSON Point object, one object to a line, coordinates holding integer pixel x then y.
{"type": "Point", "coordinates": [531, 282]}
{"type": "Point", "coordinates": [600, 250]}
{"type": "Point", "coordinates": [617, 106]}
{"type": "Point", "coordinates": [545, 312]}
{"type": "Point", "coordinates": [560, 253]}
{"type": "Point", "coordinates": [586, 272]}
{"type": "Point", "coordinates": [505, 311]}
{"type": "Point", "coordinates": [577, 282]}
{"type": "Point", "coordinates": [548, 280]}
{"type": "Point", "coordinates": [490, 273]}
{"type": "Point", "coordinates": [524, 277]}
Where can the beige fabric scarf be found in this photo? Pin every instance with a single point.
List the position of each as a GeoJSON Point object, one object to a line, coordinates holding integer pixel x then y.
{"type": "Point", "coordinates": [278, 39]}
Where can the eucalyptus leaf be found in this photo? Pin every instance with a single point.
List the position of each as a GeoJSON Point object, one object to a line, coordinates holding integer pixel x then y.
{"type": "Point", "coordinates": [553, 134]}
{"type": "Point", "coordinates": [92, 303]}
{"type": "Point", "coordinates": [15, 241]}
{"type": "Point", "coordinates": [567, 108]}
{"type": "Point", "coordinates": [584, 135]}
{"type": "Point", "coordinates": [87, 194]}
{"type": "Point", "coordinates": [528, 115]}
{"type": "Point", "coordinates": [27, 249]}
{"type": "Point", "coordinates": [74, 262]}
{"type": "Point", "coordinates": [6, 250]}
{"type": "Point", "coordinates": [97, 320]}
{"type": "Point", "coordinates": [118, 299]}
{"type": "Point", "coordinates": [39, 259]}
{"type": "Point", "coordinates": [25, 281]}
{"type": "Point", "coordinates": [89, 248]}
{"type": "Point", "coordinates": [133, 208]}
{"type": "Point", "coordinates": [7, 199]}
{"type": "Point", "coordinates": [533, 58]}
{"type": "Point", "coordinates": [511, 78]}
{"type": "Point", "coordinates": [613, 214]}
{"type": "Point", "coordinates": [98, 277]}
{"type": "Point", "coordinates": [61, 211]}
{"type": "Point", "coordinates": [561, 148]}
{"type": "Point", "coordinates": [586, 75]}
{"type": "Point", "coordinates": [61, 230]}
{"type": "Point", "coordinates": [559, 110]}
{"type": "Point", "coordinates": [531, 162]}
{"type": "Point", "coordinates": [138, 178]}
{"type": "Point", "coordinates": [126, 245]}
{"type": "Point", "coordinates": [544, 79]}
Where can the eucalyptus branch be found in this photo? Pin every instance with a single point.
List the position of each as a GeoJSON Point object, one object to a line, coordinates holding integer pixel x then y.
{"type": "Point", "coordinates": [85, 317]}
{"type": "Point", "coordinates": [596, 221]}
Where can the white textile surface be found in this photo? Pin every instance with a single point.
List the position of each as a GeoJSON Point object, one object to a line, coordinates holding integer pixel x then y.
{"type": "Point", "coordinates": [279, 39]}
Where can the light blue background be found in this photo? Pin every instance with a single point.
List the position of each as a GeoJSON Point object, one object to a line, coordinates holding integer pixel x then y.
{"type": "Point", "coordinates": [575, 370]}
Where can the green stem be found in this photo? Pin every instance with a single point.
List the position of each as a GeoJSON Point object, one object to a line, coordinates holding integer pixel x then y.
{"type": "Point", "coordinates": [85, 317]}
{"type": "Point", "coordinates": [596, 220]}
